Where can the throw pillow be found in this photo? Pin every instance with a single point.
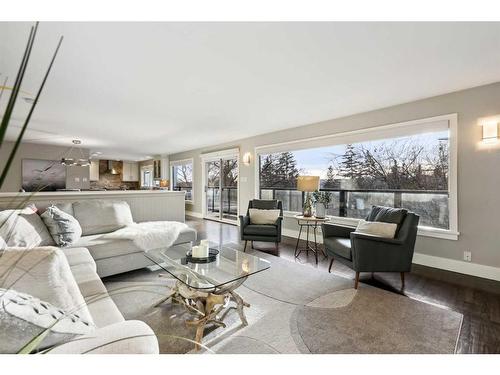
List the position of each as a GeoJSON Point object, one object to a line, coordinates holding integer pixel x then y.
{"type": "Point", "coordinates": [375, 228]}
{"type": "Point", "coordinates": [63, 227]}
{"type": "Point", "coordinates": [24, 228]}
{"type": "Point", "coordinates": [24, 317]}
{"type": "Point", "coordinates": [102, 216]}
{"type": "Point", "coordinates": [43, 272]}
{"type": "Point", "coordinates": [263, 216]}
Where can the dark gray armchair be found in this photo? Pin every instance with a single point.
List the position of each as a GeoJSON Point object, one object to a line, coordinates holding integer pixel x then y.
{"type": "Point", "coordinates": [367, 253]}
{"type": "Point", "coordinates": [261, 232]}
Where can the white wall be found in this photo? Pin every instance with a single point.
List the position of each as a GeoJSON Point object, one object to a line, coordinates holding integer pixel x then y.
{"type": "Point", "coordinates": [478, 168]}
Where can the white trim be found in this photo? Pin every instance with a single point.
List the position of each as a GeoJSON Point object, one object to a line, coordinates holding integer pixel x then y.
{"type": "Point", "coordinates": [419, 125]}
{"type": "Point", "coordinates": [194, 214]}
{"type": "Point", "coordinates": [215, 156]}
{"type": "Point", "coordinates": [181, 162]}
{"type": "Point", "coordinates": [467, 268]}
{"type": "Point", "coordinates": [176, 163]}
{"type": "Point", "coordinates": [434, 123]}
{"type": "Point", "coordinates": [222, 154]}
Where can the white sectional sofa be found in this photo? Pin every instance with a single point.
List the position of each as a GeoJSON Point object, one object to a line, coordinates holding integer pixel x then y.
{"type": "Point", "coordinates": [112, 256]}
{"type": "Point", "coordinates": [82, 264]}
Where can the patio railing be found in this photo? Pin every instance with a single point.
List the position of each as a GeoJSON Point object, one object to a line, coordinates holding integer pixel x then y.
{"type": "Point", "coordinates": [431, 205]}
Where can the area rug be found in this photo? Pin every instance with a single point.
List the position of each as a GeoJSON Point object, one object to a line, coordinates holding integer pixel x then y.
{"type": "Point", "coordinates": [296, 309]}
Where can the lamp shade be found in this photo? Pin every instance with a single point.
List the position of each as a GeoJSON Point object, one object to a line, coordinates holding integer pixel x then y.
{"type": "Point", "coordinates": [307, 183]}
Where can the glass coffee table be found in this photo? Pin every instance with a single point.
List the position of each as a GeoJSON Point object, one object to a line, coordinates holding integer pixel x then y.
{"type": "Point", "coordinates": [207, 289]}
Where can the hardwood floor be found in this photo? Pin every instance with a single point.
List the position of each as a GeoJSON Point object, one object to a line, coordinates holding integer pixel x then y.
{"type": "Point", "coordinates": [477, 299]}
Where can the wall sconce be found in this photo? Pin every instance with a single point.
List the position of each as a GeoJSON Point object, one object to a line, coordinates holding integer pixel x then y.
{"type": "Point", "coordinates": [490, 130]}
{"type": "Point", "coordinates": [247, 158]}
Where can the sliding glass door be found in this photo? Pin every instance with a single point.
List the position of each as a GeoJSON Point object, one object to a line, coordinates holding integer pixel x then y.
{"type": "Point", "coordinates": [221, 189]}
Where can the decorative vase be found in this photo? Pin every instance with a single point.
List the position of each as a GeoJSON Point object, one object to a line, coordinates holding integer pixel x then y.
{"type": "Point", "coordinates": [320, 210]}
{"type": "Point", "coordinates": [307, 209]}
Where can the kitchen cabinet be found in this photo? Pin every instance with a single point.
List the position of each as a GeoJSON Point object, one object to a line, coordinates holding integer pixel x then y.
{"type": "Point", "coordinates": [130, 172]}
{"type": "Point", "coordinates": [94, 170]}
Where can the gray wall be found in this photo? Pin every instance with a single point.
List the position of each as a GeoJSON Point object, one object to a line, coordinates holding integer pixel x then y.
{"type": "Point", "coordinates": [478, 168]}
{"type": "Point", "coordinates": [43, 152]}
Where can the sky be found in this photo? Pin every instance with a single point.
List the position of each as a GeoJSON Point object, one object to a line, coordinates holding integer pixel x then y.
{"type": "Point", "coordinates": [315, 161]}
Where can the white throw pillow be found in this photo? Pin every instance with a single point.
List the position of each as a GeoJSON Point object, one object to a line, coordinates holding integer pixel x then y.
{"type": "Point", "coordinates": [24, 228]}
{"type": "Point", "coordinates": [24, 317]}
{"type": "Point", "coordinates": [377, 228]}
{"type": "Point", "coordinates": [263, 216]}
{"type": "Point", "coordinates": [63, 227]}
{"type": "Point", "coordinates": [43, 272]}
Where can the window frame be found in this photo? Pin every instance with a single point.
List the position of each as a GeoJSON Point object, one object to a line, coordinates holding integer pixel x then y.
{"type": "Point", "coordinates": [146, 168]}
{"type": "Point", "coordinates": [378, 132]}
{"type": "Point", "coordinates": [176, 163]}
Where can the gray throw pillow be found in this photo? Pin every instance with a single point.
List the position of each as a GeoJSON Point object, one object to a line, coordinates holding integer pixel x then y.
{"type": "Point", "coordinates": [63, 227]}
{"type": "Point", "coordinates": [24, 317]}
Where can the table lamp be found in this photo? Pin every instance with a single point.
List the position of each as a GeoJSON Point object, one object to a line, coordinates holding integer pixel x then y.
{"type": "Point", "coordinates": [308, 184]}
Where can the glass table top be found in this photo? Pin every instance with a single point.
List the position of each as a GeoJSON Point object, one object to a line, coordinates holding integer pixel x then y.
{"type": "Point", "coordinates": [230, 267]}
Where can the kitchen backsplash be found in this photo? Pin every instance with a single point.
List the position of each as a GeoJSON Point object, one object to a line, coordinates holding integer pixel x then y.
{"type": "Point", "coordinates": [107, 180]}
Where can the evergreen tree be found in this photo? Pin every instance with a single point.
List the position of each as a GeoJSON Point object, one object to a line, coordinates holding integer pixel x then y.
{"type": "Point", "coordinates": [267, 171]}
{"type": "Point", "coordinates": [286, 169]}
{"type": "Point", "coordinates": [330, 177]}
{"type": "Point", "coordinates": [351, 165]}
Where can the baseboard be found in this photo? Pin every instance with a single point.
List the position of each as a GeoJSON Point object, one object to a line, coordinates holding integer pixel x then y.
{"type": "Point", "coordinates": [467, 268]}
{"type": "Point", "coordinates": [198, 215]}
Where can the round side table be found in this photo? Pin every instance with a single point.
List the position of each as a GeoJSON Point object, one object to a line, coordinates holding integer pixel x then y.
{"type": "Point", "coordinates": [309, 222]}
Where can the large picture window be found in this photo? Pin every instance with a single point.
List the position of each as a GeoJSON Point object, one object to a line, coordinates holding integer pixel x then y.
{"type": "Point", "coordinates": [182, 177]}
{"type": "Point", "coordinates": [410, 171]}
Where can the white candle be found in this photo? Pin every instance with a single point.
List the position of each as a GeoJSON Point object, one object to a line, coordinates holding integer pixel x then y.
{"type": "Point", "coordinates": [196, 252]}
{"type": "Point", "coordinates": [205, 244]}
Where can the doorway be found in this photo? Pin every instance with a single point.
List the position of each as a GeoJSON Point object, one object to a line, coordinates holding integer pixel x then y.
{"type": "Point", "coordinates": [221, 187]}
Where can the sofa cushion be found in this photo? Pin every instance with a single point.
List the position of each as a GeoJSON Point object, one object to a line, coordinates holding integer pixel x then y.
{"type": "Point", "coordinates": [102, 216]}
{"type": "Point", "coordinates": [101, 247]}
{"type": "Point", "coordinates": [63, 227]}
{"type": "Point", "coordinates": [341, 246]}
{"type": "Point", "coordinates": [130, 337]}
{"type": "Point", "coordinates": [43, 272]}
{"type": "Point", "coordinates": [99, 303]}
{"type": "Point", "coordinates": [77, 256]}
{"type": "Point", "coordinates": [25, 317]}
{"type": "Point", "coordinates": [261, 230]}
{"type": "Point", "coordinates": [24, 228]}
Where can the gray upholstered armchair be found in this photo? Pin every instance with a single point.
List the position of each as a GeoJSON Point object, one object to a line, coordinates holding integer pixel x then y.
{"type": "Point", "coordinates": [367, 253]}
{"type": "Point", "coordinates": [261, 232]}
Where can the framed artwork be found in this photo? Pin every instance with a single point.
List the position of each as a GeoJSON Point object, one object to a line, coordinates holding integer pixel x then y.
{"type": "Point", "coordinates": [43, 175]}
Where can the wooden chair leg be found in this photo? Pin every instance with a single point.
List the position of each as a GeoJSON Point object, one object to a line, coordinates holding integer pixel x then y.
{"type": "Point", "coordinates": [357, 281]}
{"type": "Point", "coordinates": [402, 279]}
{"type": "Point", "coordinates": [330, 268]}
{"type": "Point", "coordinates": [245, 248]}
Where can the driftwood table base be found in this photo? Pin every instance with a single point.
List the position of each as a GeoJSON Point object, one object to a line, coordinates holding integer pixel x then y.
{"type": "Point", "coordinates": [207, 306]}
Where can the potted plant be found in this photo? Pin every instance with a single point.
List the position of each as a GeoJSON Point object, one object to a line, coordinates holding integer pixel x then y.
{"type": "Point", "coordinates": [322, 200]}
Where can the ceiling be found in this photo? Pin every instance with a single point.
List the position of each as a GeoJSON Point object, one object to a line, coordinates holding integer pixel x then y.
{"type": "Point", "coordinates": [132, 90]}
